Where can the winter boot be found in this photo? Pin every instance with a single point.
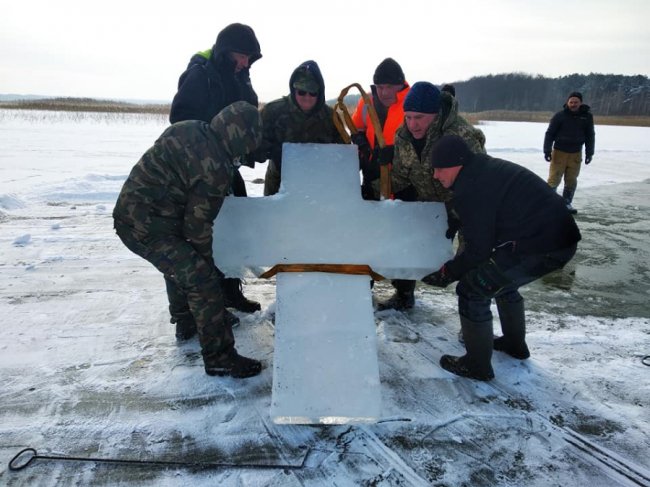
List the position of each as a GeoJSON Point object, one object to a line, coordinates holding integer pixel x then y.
{"type": "Point", "coordinates": [476, 363]}
{"type": "Point", "coordinates": [513, 326]}
{"type": "Point", "coordinates": [567, 194]}
{"type": "Point", "coordinates": [232, 364]}
{"type": "Point", "coordinates": [185, 325]}
{"type": "Point", "coordinates": [403, 297]}
{"type": "Point", "coordinates": [234, 298]}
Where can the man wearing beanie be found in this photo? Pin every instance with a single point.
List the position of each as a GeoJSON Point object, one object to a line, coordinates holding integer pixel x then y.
{"type": "Point", "coordinates": [428, 115]}
{"type": "Point", "coordinates": [568, 131]}
{"type": "Point", "coordinates": [213, 80]}
{"type": "Point", "coordinates": [517, 230]}
{"type": "Point", "coordinates": [301, 117]}
{"type": "Point", "coordinates": [388, 93]}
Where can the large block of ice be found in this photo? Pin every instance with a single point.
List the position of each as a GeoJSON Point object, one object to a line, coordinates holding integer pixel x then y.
{"type": "Point", "coordinates": [325, 360]}
{"type": "Point", "coordinates": [319, 217]}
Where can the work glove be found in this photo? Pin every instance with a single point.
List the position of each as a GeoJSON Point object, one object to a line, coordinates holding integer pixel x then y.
{"type": "Point", "coordinates": [588, 159]}
{"type": "Point", "coordinates": [453, 225]}
{"type": "Point", "coordinates": [438, 278]}
{"type": "Point", "coordinates": [547, 156]}
{"type": "Point", "coordinates": [359, 139]}
{"type": "Point", "coordinates": [385, 155]}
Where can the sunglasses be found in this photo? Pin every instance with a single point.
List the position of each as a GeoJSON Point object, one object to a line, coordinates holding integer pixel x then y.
{"type": "Point", "coordinates": [313, 94]}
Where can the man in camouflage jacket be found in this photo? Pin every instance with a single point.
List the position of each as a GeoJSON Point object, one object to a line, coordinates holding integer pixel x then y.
{"type": "Point", "coordinates": [428, 115]}
{"type": "Point", "coordinates": [165, 212]}
{"type": "Point", "coordinates": [300, 117]}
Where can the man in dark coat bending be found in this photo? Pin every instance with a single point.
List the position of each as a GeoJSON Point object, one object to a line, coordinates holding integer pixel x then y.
{"type": "Point", "coordinates": [517, 229]}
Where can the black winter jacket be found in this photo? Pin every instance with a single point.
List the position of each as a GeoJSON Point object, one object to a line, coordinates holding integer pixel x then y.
{"type": "Point", "coordinates": [209, 84]}
{"type": "Point", "coordinates": [499, 202]}
{"type": "Point", "coordinates": [568, 131]}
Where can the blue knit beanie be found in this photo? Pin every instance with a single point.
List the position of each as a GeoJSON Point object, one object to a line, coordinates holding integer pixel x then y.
{"type": "Point", "coordinates": [423, 97]}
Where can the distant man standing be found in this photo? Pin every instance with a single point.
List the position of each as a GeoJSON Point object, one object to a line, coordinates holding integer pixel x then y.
{"type": "Point", "coordinates": [568, 131]}
{"type": "Point", "coordinates": [214, 79]}
{"type": "Point", "coordinates": [516, 229]}
{"type": "Point", "coordinates": [389, 90]}
{"type": "Point", "coordinates": [301, 117]}
{"type": "Point", "coordinates": [165, 213]}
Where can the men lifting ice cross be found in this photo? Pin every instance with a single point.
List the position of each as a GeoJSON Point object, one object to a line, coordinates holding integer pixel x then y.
{"type": "Point", "coordinates": [325, 360]}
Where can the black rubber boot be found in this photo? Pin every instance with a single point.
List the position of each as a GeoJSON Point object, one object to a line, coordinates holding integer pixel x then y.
{"type": "Point", "coordinates": [402, 299]}
{"type": "Point", "coordinates": [232, 364]}
{"type": "Point", "coordinates": [567, 194]}
{"type": "Point", "coordinates": [476, 363]}
{"type": "Point", "coordinates": [513, 326]}
{"type": "Point", "coordinates": [234, 298]}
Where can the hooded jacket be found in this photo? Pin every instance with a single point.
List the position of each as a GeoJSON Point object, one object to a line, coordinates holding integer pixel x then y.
{"type": "Point", "coordinates": [210, 83]}
{"type": "Point", "coordinates": [568, 131]}
{"type": "Point", "coordinates": [179, 184]}
{"type": "Point", "coordinates": [284, 121]}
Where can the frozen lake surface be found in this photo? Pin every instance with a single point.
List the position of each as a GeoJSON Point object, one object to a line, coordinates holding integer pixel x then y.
{"type": "Point", "coordinates": [89, 365]}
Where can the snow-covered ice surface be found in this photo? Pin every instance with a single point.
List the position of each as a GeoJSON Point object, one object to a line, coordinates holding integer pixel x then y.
{"type": "Point", "coordinates": [89, 365]}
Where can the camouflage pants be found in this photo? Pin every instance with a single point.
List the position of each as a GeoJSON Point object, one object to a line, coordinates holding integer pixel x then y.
{"type": "Point", "coordinates": [564, 165]}
{"type": "Point", "coordinates": [195, 277]}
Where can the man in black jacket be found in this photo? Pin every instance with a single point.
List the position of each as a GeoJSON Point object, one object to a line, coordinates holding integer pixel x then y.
{"type": "Point", "coordinates": [568, 131]}
{"type": "Point", "coordinates": [213, 80]}
{"type": "Point", "coordinates": [516, 230]}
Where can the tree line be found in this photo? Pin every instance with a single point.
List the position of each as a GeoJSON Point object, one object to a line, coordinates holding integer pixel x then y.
{"type": "Point", "coordinates": [606, 94]}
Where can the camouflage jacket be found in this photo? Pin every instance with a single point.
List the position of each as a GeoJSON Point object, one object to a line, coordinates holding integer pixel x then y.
{"type": "Point", "coordinates": [178, 185]}
{"type": "Point", "coordinates": [409, 169]}
{"type": "Point", "coordinates": [284, 121]}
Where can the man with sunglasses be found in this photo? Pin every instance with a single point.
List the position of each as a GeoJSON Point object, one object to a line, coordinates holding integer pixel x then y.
{"type": "Point", "coordinates": [300, 117]}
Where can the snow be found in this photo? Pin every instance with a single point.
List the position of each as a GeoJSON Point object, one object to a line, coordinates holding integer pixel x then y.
{"type": "Point", "coordinates": [89, 365]}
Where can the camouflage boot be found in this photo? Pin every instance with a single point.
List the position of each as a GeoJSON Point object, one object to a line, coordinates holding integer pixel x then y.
{"type": "Point", "coordinates": [476, 363]}
{"type": "Point", "coordinates": [513, 326]}
{"type": "Point", "coordinates": [234, 298]}
{"type": "Point", "coordinates": [402, 299]}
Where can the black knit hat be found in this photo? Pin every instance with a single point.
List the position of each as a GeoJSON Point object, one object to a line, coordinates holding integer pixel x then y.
{"type": "Point", "coordinates": [450, 151]}
{"type": "Point", "coordinates": [388, 73]}
{"type": "Point", "coordinates": [239, 38]}
{"type": "Point", "coordinates": [577, 94]}
{"type": "Point", "coordinates": [423, 97]}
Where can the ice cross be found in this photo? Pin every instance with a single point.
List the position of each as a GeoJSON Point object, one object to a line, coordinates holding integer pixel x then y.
{"type": "Point", "coordinates": [325, 366]}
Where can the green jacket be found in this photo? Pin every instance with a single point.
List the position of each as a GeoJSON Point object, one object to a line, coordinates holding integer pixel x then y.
{"type": "Point", "coordinates": [178, 185]}
{"type": "Point", "coordinates": [411, 170]}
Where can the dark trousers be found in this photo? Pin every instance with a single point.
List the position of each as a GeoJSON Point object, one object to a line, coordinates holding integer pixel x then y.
{"type": "Point", "coordinates": [502, 276]}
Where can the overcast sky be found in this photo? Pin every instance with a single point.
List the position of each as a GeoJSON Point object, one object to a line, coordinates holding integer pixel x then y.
{"type": "Point", "coordinates": [136, 49]}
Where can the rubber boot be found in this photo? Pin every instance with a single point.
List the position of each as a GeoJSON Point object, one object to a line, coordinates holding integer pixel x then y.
{"type": "Point", "coordinates": [567, 194]}
{"type": "Point", "coordinates": [477, 362]}
{"type": "Point", "coordinates": [234, 298]}
{"type": "Point", "coordinates": [513, 327]}
{"type": "Point", "coordinates": [402, 299]}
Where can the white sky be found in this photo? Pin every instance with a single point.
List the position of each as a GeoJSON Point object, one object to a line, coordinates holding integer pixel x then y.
{"type": "Point", "coordinates": [137, 49]}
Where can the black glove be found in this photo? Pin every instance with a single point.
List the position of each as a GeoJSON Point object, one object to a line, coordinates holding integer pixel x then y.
{"type": "Point", "coordinates": [359, 139]}
{"type": "Point", "coordinates": [438, 278]}
{"type": "Point", "coordinates": [385, 155]}
{"type": "Point", "coordinates": [453, 225]}
{"type": "Point", "coordinates": [588, 159]}
{"type": "Point", "coordinates": [547, 156]}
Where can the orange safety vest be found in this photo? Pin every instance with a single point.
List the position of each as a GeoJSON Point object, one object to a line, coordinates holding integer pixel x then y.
{"type": "Point", "coordinates": [394, 119]}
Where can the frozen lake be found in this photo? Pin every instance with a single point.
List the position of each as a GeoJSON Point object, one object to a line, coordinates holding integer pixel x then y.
{"type": "Point", "coordinates": [89, 365]}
